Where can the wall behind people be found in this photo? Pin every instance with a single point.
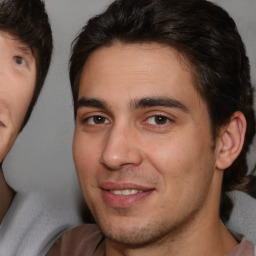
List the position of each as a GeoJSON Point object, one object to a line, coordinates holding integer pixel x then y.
{"type": "Point", "coordinates": [41, 159]}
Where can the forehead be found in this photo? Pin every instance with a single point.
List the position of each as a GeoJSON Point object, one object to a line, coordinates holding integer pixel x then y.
{"type": "Point", "coordinates": [137, 70]}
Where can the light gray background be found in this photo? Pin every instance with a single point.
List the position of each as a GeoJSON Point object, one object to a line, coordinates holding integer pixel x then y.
{"type": "Point", "coordinates": [41, 159]}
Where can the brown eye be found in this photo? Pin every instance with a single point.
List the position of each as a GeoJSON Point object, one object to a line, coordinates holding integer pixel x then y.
{"type": "Point", "coordinates": [99, 119]}
{"type": "Point", "coordinates": [94, 120]}
{"type": "Point", "coordinates": [158, 120]}
{"type": "Point", "coordinates": [161, 119]}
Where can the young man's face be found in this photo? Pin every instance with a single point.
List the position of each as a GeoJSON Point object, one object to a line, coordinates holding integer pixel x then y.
{"type": "Point", "coordinates": [17, 84]}
{"type": "Point", "coordinates": [143, 148]}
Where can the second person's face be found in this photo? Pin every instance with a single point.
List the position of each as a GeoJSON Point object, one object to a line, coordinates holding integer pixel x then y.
{"type": "Point", "coordinates": [17, 84]}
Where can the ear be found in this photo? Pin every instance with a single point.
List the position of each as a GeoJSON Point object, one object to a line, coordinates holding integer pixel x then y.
{"type": "Point", "coordinates": [230, 140]}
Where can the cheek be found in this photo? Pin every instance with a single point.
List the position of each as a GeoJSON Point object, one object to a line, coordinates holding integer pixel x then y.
{"type": "Point", "coordinates": [23, 102]}
{"type": "Point", "coordinates": [181, 157]}
{"type": "Point", "coordinates": [85, 157]}
{"type": "Point", "coordinates": [22, 96]}
{"type": "Point", "coordinates": [185, 172]}
{"type": "Point", "coordinates": [86, 161]}
{"type": "Point", "coordinates": [27, 92]}
{"type": "Point", "coordinates": [169, 154]}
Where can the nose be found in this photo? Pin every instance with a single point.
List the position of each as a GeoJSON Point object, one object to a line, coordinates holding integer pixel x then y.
{"type": "Point", "coordinates": [121, 149]}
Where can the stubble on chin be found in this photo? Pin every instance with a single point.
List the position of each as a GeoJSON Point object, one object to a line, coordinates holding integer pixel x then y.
{"type": "Point", "coordinates": [152, 234]}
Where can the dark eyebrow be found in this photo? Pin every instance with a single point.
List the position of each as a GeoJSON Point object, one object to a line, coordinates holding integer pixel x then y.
{"type": "Point", "coordinates": [23, 47]}
{"type": "Point", "coordinates": [25, 50]}
{"type": "Point", "coordinates": [156, 101]}
{"type": "Point", "coordinates": [85, 102]}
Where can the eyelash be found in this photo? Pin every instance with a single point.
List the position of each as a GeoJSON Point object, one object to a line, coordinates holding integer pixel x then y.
{"type": "Point", "coordinates": [92, 118]}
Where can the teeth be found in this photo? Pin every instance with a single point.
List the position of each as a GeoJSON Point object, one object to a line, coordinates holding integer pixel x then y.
{"type": "Point", "coordinates": [125, 192]}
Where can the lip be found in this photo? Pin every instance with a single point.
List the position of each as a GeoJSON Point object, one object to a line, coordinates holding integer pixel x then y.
{"type": "Point", "coordinates": [124, 201]}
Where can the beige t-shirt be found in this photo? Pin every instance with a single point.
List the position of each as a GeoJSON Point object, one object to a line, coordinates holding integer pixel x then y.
{"type": "Point", "coordinates": [87, 240]}
{"type": "Point", "coordinates": [244, 248]}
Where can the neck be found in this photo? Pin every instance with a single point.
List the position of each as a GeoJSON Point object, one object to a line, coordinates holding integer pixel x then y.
{"type": "Point", "coordinates": [6, 195]}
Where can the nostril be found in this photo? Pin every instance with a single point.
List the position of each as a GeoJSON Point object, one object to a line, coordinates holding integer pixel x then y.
{"type": "Point", "coordinates": [111, 161]}
{"type": "Point", "coordinates": [123, 159]}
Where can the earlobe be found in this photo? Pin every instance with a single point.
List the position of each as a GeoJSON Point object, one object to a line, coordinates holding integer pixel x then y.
{"type": "Point", "coordinates": [230, 140]}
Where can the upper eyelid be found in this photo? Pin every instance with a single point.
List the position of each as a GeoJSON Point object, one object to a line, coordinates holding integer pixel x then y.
{"type": "Point", "coordinates": [152, 113]}
{"type": "Point", "coordinates": [22, 54]}
{"type": "Point", "coordinates": [157, 115]}
{"type": "Point", "coordinates": [19, 56]}
{"type": "Point", "coordinates": [82, 116]}
{"type": "Point", "coordinates": [164, 116]}
{"type": "Point", "coordinates": [88, 111]}
{"type": "Point", "coordinates": [87, 118]}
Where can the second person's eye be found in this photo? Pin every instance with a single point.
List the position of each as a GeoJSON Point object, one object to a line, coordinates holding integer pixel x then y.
{"type": "Point", "coordinates": [19, 60]}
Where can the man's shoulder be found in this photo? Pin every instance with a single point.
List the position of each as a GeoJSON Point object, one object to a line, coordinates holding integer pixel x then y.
{"type": "Point", "coordinates": [244, 248]}
{"type": "Point", "coordinates": [81, 240]}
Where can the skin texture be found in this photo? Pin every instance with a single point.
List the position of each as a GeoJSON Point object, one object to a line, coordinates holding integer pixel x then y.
{"type": "Point", "coordinates": [17, 82]}
{"type": "Point", "coordinates": [141, 125]}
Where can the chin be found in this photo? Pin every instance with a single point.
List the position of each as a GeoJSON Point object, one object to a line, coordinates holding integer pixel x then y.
{"type": "Point", "coordinates": [136, 236]}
